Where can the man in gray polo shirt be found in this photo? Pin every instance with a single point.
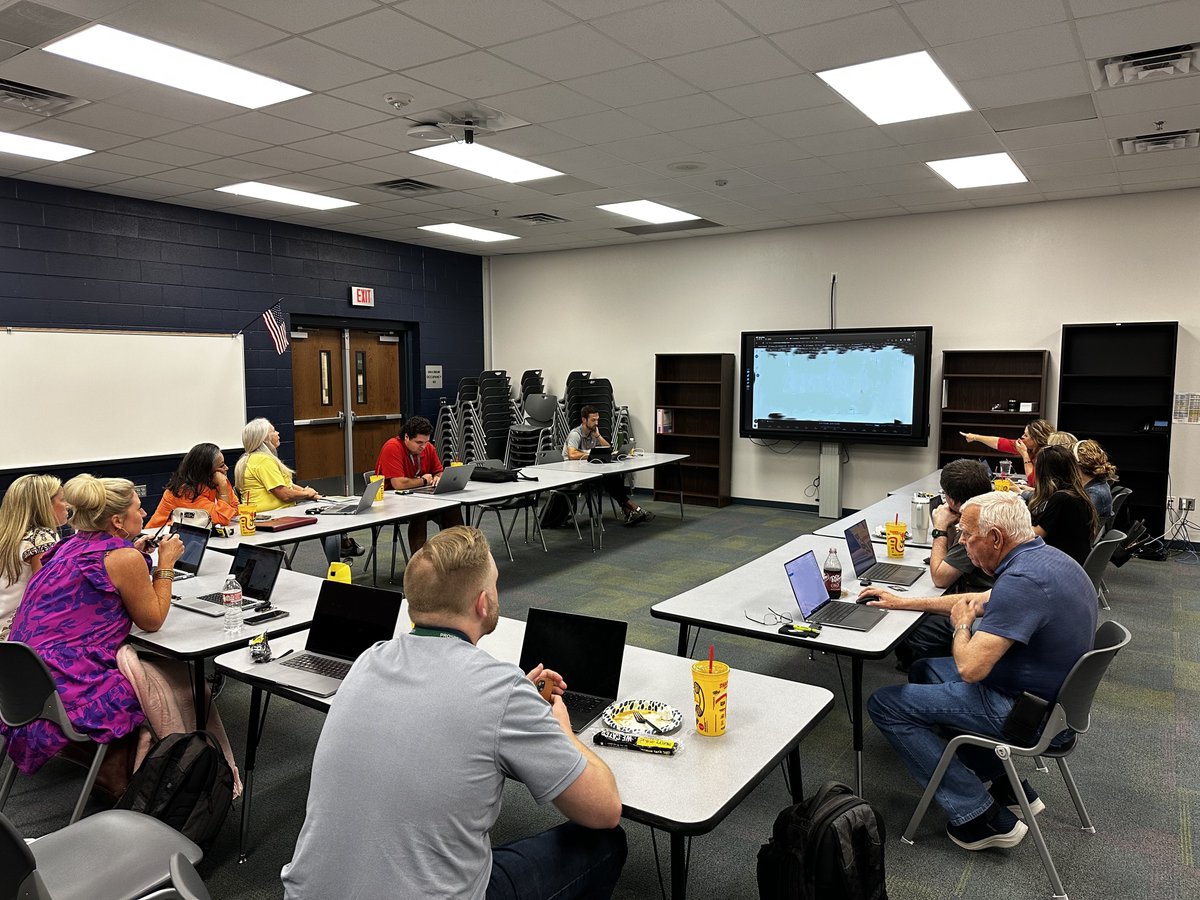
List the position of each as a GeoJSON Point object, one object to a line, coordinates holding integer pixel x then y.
{"type": "Point", "coordinates": [580, 442]}
{"type": "Point", "coordinates": [409, 770]}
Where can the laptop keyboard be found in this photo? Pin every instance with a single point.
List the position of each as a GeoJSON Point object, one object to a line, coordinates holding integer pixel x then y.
{"type": "Point", "coordinates": [885, 571]}
{"type": "Point", "coordinates": [334, 668]}
{"type": "Point", "coordinates": [584, 704]}
{"type": "Point", "coordinates": [834, 612]}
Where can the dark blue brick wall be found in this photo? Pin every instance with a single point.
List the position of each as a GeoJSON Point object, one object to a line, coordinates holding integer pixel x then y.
{"type": "Point", "coordinates": [79, 259]}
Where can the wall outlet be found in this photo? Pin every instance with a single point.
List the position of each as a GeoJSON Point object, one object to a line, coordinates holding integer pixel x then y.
{"type": "Point", "coordinates": [140, 490]}
{"type": "Point", "coordinates": [1170, 502]}
{"type": "Point", "coordinates": [1187, 504]}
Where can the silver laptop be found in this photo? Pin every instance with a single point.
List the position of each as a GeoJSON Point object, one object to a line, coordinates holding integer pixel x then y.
{"type": "Point", "coordinates": [354, 507]}
{"type": "Point", "coordinates": [808, 587]}
{"type": "Point", "coordinates": [868, 567]}
{"type": "Point", "coordinates": [255, 568]}
{"type": "Point", "coordinates": [349, 620]}
{"type": "Point", "coordinates": [453, 479]}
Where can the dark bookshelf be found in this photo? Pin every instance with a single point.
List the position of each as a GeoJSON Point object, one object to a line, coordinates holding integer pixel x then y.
{"type": "Point", "coordinates": [694, 391]}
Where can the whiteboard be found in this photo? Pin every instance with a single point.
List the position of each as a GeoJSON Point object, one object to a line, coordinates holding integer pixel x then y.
{"type": "Point", "coordinates": [70, 397]}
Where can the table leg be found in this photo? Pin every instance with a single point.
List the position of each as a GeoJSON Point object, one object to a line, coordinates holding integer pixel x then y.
{"type": "Point", "coordinates": [856, 675]}
{"type": "Point", "coordinates": [254, 730]}
{"type": "Point", "coordinates": [679, 476]}
{"type": "Point", "coordinates": [375, 554]}
{"type": "Point", "coordinates": [681, 646]}
{"type": "Point", "coordinates": [678, 867]}
{"type": "Point", "coordinates": [197, 667]}
{"type": "Point", "coordinates": [791, 764]}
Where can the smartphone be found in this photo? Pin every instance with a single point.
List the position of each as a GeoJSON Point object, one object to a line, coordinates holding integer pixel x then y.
{"type": "Point", "coordinates": [266, 617]}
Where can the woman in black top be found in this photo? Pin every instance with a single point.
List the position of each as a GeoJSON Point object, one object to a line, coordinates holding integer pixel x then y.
{"type": "Point", "coordinates": [1062, 513]}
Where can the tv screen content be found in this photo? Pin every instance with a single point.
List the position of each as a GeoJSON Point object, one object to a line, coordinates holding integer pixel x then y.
{"type": "Point", "coordinates": [848, 385]}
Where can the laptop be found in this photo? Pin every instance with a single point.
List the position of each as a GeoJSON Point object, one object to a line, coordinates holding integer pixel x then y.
{"type": "Point", "coordinates": [354, 507]}
{"type": "Point", "coordinates": [808, 587]}
{"type": "Point", "coordinates": [454, 478]}
{"type": "Point", "coordinates": [255, 568]}
{"type": "Point", "coordinates": [601, 454]}
{"type": "Point", "coordinates": [585, 650]}
{"type": "Point", "coordinates": [349, 620]}
{"type": "Point", "coordinates": [195, 541]}
{"type": "Point", "coordinates": [867, 566]}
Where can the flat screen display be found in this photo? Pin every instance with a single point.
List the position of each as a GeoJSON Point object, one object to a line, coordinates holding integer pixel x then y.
{"type": "Point", "coordinates": [849, 385]}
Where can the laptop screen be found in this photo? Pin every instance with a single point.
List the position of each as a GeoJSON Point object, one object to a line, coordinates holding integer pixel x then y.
{"type": "Point", "coordinates": [256, 569]}
{"type": "Point", "coordinates": [194, 541]}
{"type": "Point", "coordinates": [808, 584]}
{"type": "Point", "coordinates": [862, 554]}
{"type": "Point", "coordinates": [351, 618]}
{"type": "Point", "coordinates": [585, 650]}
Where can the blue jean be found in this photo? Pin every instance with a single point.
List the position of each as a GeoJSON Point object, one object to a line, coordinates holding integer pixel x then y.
{"type": "Point", "coordinates": [564, 863]}
{"type": "Point", "coordinates": [911, 716]}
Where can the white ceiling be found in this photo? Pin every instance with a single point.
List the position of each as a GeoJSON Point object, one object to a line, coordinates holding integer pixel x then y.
{"type": "Point", "coordinates": [615, 92]}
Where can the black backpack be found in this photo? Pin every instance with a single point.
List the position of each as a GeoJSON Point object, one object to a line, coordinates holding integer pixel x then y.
{"type": "Point", "coordinates": [186, 782]}
{"type": "Point", "coordinates": [557, 511]}
{"type": "Point", "coordinates": [498, 475]}
{"type": "Point", "coordinates": [830, 847]}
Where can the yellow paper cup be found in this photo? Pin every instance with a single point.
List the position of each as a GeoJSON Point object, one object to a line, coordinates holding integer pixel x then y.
{"type": "Point", "coordinates": [710, 690]}
{"type": "Point", "coordinates": [379, 491]}
{"type": "Point", "coordinates": [1002, 484]}
{"type": "Point", "coordinates": [896, 532]}
{"type": "Point", "coordinates": [246, 513]}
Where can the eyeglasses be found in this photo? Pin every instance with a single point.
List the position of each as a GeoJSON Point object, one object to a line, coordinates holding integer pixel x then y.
{"type": "Point", "coordinates": [770, 618]}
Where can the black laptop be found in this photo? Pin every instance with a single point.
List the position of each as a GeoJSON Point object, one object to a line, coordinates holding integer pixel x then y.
{"type": "Point", "coordinates": [255, 568]}
{"type": "Point", "coordinates": [585, 650]}
{"type": "Point", "coordinates": [808, 587]}
{"type": "Point", "coordinates": [867, 566]}
{"type": "Point", "coordinates": [195, 542]}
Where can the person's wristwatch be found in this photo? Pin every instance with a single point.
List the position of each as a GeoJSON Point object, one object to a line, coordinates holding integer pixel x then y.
{"type": "Point", "coordinates": [937, 533]}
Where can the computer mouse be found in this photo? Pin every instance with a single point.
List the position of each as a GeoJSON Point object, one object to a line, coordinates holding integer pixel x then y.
{"type": "Point", "coordinates": [865, 582]}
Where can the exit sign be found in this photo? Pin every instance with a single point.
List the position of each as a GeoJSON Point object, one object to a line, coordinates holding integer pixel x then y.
{"type": "Point", "coordinates": [360, 296]}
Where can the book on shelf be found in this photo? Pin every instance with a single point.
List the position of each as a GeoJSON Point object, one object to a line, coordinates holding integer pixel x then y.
{"type": "Point", "coordinates": [664, 421]}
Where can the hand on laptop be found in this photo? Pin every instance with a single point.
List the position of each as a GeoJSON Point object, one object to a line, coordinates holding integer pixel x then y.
{"type": "Point", "coordinates": [541, 673]}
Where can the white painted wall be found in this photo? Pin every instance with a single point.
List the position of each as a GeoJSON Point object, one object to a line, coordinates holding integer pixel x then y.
{"type": "Point", "coordinates": [1006, 277]}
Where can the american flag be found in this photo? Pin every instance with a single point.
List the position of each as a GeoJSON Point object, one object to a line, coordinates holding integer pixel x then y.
{"type": "Point", "coordinates": [276, 327]}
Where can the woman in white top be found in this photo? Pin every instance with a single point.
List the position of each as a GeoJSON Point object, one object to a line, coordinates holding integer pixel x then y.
{"type": "Point", "coordinates": [30, 516]}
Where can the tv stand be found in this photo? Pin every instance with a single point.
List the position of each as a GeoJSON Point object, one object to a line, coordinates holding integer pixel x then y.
{"type": "Point", "coordinates": [830, 489]}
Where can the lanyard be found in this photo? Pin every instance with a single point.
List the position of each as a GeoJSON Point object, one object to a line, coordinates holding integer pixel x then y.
{"type": "Point", "coordinates": [423, 631]}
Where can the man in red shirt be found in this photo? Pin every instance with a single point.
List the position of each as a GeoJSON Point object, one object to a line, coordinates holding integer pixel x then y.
{"type": "Point", "coordinates": [408, 461]}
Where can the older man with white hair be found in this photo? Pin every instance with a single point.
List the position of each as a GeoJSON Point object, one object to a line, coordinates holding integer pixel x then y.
{"type": "Point", "coordinates": [1021, 637]}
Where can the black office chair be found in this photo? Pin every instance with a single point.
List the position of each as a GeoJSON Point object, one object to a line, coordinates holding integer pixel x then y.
{"type": "Point", "coordinates": [527, 503]}
{"type": "Point", "coordinates": [1097, 561]}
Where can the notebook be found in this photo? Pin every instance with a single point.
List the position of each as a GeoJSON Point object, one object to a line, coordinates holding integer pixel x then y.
{"type": "Point", "coordinates": [354, 507]}
{"type": "Point", "coordinates": [866, 566]}
{"type": "Point", "coordinates": [808, 587]}
{"type": "Point", "coordinates": [349, 620]}
{"type": "Point", "coordinates": [255, 568]}
{"type": "Point", "coordinates": [285, 523]}
{"type": "Point", "coordinates": [195, 541]}
{"type": "Point", "coordinates": [586, 651]}
{"type": "Point", "coordinates": [453, 479]}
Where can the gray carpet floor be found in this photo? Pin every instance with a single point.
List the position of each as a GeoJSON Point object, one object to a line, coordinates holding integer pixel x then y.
{"type": "Point", "coordinates": [1139, 769]}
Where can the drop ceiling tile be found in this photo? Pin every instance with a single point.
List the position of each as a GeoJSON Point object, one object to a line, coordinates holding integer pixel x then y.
{"type": "Point", "coordinates": [839, 142]}
{"type": "Point", "coordinates": [544, 103]}
{"type": "Point", "coordinates": [1134, 30]}
{"type": "Point", "coordinates": [405, 165]}
{"type": "Point", "coordinates": [742, 132]}
{"type": "Point", "coordinates": [1175, 119]}
{"type": "Point", "coordinates": [872, 159]}
{"type": "Point", "coordinates": [42, 176]}
{"type": "Point", "coordinates": [211, 141]}
{"type": "Point", "coordinates": [950, 21]}
{"type": "Point", "coordinates": [918, 208]}
{"type": "Point", "coordinates": [772, 152]}
{"type": "Point", "coordinates": [802, 123]}
{"type": "Point", "coordinates": [370, 93]}
{"type": "Point", "coordinates": [731, 65]}
{"type": "Point", "coordinates": [572, 52]}
{"type": "Point", "coordinates": [1083, 8]}
{"type": "Point", "coordinates": [65, 170]}
{"type": "Point", "coordinates": [76, 134]}
{"type": "Point", "coordinates": [171, 103]}
{"type": "Point", "coordinates": [530, 139]}
{"type": "Point", "coordinates": [341, 147]}
{"type": "Point", "coordinates": [1053, 135]}
{"type": "Point", "coordinates": [151, 188]}
{"type": "Point", "coordinates": [13, 120]}
{"type": "Point", "coordinates": [296, 15]}
{"type": "Point", "coordinates": [1044, 156]}
{"type": "Point", "coordinates": [287, 159]}
{"type": "Point", "coordinates": [1002, 54]}
{"type": "Point", "coordinates": [682, 112]}
{"type": "Point", "coordinates": [869, 204]}
{"type": "Point", "coordinates": [119, 119]}
{"type": "Point", "coordinates": [638, 181]}
{"type": "Point", "coordinates": [808, 183]}
{"type": "Point", "coordinates": [1080, 194]}
{"type": "Point", "coordinates": [873, 35]}
{"type": "Point", "coordinates": [305, 64]}
{"type": "Point", "coordinates": [1167, 179]}
{"type": "Point", "coordinates": [828, 195]}
{"type": "Point", "coordinates": [655, 32]}
{"type": "Point", "coordinates": [487, 24]}
{"type": "Point", "coordinates": [770, 16]}
{"type": "Point", "coordinates": [1064, 80]}
{"type": "Point", "coordinates": [192, 178]}
{"type": "Point", "coordinates": [953, 148]}
{"type": "Point", "coordinates": [194, 25]}
{"type": "Point", "coordinates": [1079, 182]}
{"type": "Point", "coordinates": [1150, 95]}
{"type": "Point", "coordinates": [477, 74]}
{"type": "Point", "coordinates": [234, 171]}
{"type": "Point", "coordinates": [647, 147]}
{"type": "Point", "coordinates": [797, 168]}
{"type": "Point", "coordinates": [579, 161]}
{"type": "Point", "coordinates": [601, 127]}
{"type": "Point", "coordinates": [389, 39]}
{"type": "Point", "coordinates": [937, 128]}
{"type": "Point", "coordinates": [631, 85]}
{"type": "Point", "coordinates": [167, 154]}
{"type": "Point", "coordinates": [328, 113]}
{"type": "Point", "coordinates": [67, 76]}
{"type": "Point", "coordinates": [1065, 169]}
{"type": "Point", "coordinates": [264, 127]}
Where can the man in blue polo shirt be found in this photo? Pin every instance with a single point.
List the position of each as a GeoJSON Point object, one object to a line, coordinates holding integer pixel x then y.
{"type": "Point", "coordinates": [1024, 635]}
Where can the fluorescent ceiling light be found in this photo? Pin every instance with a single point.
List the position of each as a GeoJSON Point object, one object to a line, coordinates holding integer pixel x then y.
{"type": "Point", "coordinates": [978, 171]}
{"type": "Point", "coordinates": [897, 89]}
{"type": "Point", "coordinates": [486, 161]}
{"type": "Point", "coordinates": [470, 233]}
{"type": "Point", "coordinates": [648, 211]}
{"type": "Point", "coordinates": [39, 149]}
{"type": "Point", "coordinates": [144, 58]}
{"type": "Point", "coordinates": [284, 195]}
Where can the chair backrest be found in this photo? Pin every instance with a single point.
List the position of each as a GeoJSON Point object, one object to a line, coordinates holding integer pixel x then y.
{"type": "Point", "coordinates": [1119, 495]}
{"type": "Point", "coordinates": [186, 881]}
{"type": "Point", "coordinates": [539, 409]}
{"type": "Point", "coordinates": [1079, 688]}
{"type": "Point", "coordinates": [18, 869]}
{"type": "Point", "coordinates": [548, 456]}
{"type": "Point", "coordinates": [27, 690]}
{"type": "Point", "coordinates": [1101, 553]}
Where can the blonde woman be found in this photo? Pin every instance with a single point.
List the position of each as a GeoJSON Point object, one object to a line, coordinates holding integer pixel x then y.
{"type": "Point", "coordinates": [1098, 475]}
{"type": "Point", "coordinates": [1033, 439]}
{"type": "Point", "coordinates": [32, 511]}
{"type": "Point", "coordinates": [1062, 439]}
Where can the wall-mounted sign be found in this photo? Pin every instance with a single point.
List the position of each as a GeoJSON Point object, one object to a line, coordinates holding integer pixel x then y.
{"type": "Point", "coordinates": [360, 296]}
{"type": "Point", "coordinates": [433, 377]}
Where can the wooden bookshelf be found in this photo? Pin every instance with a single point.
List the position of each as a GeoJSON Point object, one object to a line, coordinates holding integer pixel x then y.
{"type": "Point", "coordinates": [693, 397]}
{"type": "Point", "coordinates": [975, 381]}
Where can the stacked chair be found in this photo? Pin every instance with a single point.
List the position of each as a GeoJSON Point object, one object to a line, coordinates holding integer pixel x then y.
{"type": "Point", "coordinates": [494, 416]}
{"type": "Point", "coordinates": [536, 433]}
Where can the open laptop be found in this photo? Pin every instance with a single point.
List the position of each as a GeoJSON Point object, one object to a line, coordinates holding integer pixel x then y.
{"type": "Point", "coordinates": [585, 650]}
{"type": "Point", "coordinates": [808, 587]}
{"type": "Point", "coordinates": [867, 566]}
{"type": "Point", "coordinates": [454, 478]}
{"type": "Point", "coordinates": [349, 620]}
{"type": "Point", "coordinates": [355, 507]}
{"type": "Point", "coordinates": [255, 568]}
{"type": "Point", "coordinates": [601, 454]}
{"type": "Point", "coordinates": [195, 541]}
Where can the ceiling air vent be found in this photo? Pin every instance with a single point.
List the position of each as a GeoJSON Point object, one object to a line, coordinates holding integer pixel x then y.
{"type": "Point", "coordinates": [410, 187]}
{"type": "Point", "coordinates": [36, 100]}
{"type": "Point", "coordinates": [1150, 65]}
{"type": "Point", "coordinates": [541, 219]}
{"type": "Point", "coordinates": [1157, 142]}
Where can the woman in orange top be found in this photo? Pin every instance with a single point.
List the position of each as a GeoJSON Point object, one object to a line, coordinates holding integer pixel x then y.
{"type": "Point", "coordinates": [200, 482]}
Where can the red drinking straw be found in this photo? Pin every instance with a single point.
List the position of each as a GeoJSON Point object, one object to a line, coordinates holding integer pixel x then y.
{"type": "Point", "coordinates": [710, 658]}
{"type": "Point", "coordinates": [897, 518]}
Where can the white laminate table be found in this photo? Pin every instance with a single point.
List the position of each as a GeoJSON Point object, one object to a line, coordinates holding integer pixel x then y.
{"type": "Point", "coordinates": [687, 794]}
{"type": "Point", "coordinates": [877, 515]}
{"type": "Point", "coordinates": [929, 484]}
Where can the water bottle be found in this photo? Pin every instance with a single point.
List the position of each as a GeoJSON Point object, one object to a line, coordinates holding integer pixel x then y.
{"type": "Point", "coordinates": [833, 574]}
{"type": "Point", "coordinates": [231, 599]}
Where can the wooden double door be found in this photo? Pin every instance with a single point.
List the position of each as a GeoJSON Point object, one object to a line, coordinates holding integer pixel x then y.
{"type": "Point", "coordinates": [347, 393]}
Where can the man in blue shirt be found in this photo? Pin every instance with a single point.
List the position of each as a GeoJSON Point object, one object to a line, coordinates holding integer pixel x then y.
{"type": "Point", "coordinates": [1024, 635]}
